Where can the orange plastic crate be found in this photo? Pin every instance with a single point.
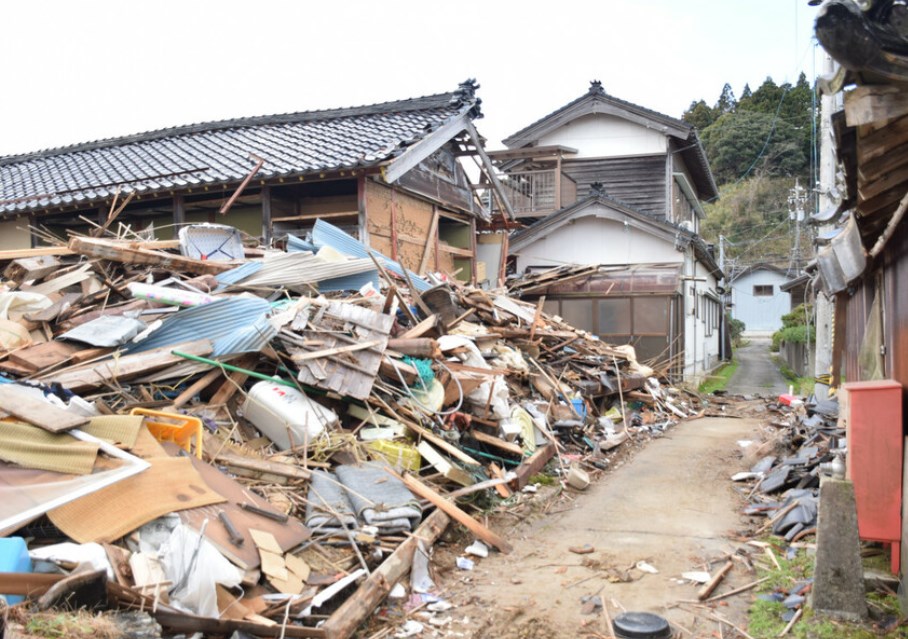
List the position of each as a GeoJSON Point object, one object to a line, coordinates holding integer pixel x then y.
{"type": "Point", "coordinates": [173, 427]}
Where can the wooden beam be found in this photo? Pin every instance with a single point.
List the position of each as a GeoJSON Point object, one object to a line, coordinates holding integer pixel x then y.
{"type": "Point", "coordinates": [533, 465]}
{"type": "Point", "coordinates": [871, 104]}
{"type": "Point", "coordinates": [360, 605]}
{"type": "Point", "coordinates": [179, 211]}
{"type": "Point", "coordinates": [266, 215]}
{"type": "Point", "coordinates": [454, 512]}
{"type": "Point", "coordinates": [490, 170]}
{"type": "Point", "coordinates": [125, 367]}
{"type": "Point", "coordinates": [430, 238]}
{"type": "Point", "coordinates": [135, 254]}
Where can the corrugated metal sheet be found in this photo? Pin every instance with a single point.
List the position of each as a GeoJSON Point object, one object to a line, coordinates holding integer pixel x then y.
{"type": "Point", "coordinates": [326, 234]}
{"type": "Point", "coordinates": [298, 271]}
{"type": "Point", "coordinates": [238, 274]}
{"type": "Point", "coordinates": [296, 244]}
{"type": "Point", "coordinates": [233, 324]}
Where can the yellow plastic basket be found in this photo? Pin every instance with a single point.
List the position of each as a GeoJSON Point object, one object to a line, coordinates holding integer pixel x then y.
{"type": "Point", "coordinates": [173, 427]}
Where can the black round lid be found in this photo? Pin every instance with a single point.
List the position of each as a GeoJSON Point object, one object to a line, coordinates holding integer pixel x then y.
{"type": "Point", "coordinates": [641, 625]}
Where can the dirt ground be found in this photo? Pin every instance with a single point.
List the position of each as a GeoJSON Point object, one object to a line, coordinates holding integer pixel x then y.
{"type": "Point", "coordinates": [670, 505]}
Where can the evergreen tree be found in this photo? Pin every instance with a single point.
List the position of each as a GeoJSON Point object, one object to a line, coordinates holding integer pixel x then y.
{"type": "Point", "coordinates": [726, 102]}
{"type": "Point", "coordinates": [699, 115]}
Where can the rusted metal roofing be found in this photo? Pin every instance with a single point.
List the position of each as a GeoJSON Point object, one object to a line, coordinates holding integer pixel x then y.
{"type": "Point", "coordinates": [215, 153]}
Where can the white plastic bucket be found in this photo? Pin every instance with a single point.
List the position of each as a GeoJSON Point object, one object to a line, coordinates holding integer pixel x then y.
{"type": "Point", "coordinates": [285, 415]}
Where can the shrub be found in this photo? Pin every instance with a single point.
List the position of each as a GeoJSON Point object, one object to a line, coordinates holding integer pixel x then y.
{"type": "Point", "coordinates": [735, 329]}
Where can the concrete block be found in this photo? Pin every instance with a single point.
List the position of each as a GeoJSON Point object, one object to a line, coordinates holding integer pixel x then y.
{"type": "Point", "coordinates": [838, 588]}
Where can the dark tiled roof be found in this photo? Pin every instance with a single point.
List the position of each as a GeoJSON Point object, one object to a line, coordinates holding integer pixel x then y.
{"type": "Point", "coordinates": [218, 152]}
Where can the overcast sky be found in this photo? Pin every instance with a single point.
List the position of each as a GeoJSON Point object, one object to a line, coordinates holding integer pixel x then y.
{"type": "Point", "coordinates": [75, 71]}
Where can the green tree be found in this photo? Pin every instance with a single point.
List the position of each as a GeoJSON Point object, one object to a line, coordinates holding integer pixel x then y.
{"type": "Point", "coordinates": [699, 115]}
{"type": "Point", "coordinates": [739, 143]}
{"type": "Point", "coordinates": [726, 102]}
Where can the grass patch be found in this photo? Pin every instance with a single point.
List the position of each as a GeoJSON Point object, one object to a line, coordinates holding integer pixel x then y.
{"type": "Point", "coordinates": [765, 617]}
{"type": "Point", "coordinates": [802, 385]}
{"type": "Point", "coordinates": [719, 379]}
{"type": "Point", "coordinates": [77, 625]}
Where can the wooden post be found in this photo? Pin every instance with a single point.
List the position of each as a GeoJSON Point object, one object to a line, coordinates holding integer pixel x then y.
{"type": "Point", "coordinates": [558, 182]}
{"type": "Point", "coordinates": [179, 212]}
{"type": "Point", "coordinates": [266, 215]}
{"type": "Point", "coordinates": [394, 251]}
{"type": "Point", "coordinates": [357, 608]}
{"type": "Point", "coordinates": [361, 208]}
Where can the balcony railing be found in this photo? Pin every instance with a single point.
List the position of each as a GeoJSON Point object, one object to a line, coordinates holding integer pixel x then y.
{"type": "Point", "coordinates": [535, 193]}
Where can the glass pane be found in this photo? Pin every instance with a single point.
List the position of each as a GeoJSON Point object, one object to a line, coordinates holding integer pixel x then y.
{"type": "Point", "coordinates": [615, 316]}
{"type": "Point", "coordinates": [651, 315]}
{"type": "Point", "coordinates": [652, 348]}
{"type": "Point", "coordinates": [578, 313]}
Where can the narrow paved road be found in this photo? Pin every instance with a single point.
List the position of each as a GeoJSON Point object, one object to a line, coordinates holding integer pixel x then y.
{"type": "Point", "coordinates": [757, 374]}
{"type": "Point", "coordinates": [672, 506]}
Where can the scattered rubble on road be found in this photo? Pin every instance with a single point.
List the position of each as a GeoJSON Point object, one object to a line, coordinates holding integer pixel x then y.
{"type": "Point", "coordinates": [245, 441]}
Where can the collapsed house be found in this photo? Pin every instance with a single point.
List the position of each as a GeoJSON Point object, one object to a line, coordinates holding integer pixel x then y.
{"type": "Point", "coordinates": [387, 173]}
{"type": "Point", "coordinates": [245, 382]}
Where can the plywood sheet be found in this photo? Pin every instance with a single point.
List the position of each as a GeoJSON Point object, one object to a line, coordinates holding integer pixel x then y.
{"type": "Point", "coordinates": [170, 484]}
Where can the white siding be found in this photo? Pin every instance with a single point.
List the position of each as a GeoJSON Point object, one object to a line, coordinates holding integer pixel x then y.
{"type": "Point", "coordinates": [591, 240]}
{"type": "Point", "coordinates": [760, 312]}
{"type": "Point", "coordinates": [598, 135]}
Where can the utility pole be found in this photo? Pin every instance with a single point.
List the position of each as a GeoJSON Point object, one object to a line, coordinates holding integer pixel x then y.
{"type": "Point", "coordinates": [797, 198]}
{"type": "Point", "coordinates": [825, 306]}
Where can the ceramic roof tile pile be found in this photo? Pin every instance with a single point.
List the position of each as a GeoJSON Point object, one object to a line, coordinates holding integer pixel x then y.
{"type": "Point", "coordinates": [272, 445]}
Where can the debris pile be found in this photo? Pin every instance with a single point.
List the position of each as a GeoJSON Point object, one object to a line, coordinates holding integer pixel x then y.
{"type": "Point", "coordinates": [249, 440]}
{"type": "Point", "coordinates": [806, 441]}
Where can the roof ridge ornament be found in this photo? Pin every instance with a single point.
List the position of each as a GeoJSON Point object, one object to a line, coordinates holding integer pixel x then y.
{"type": "Point", "coordinates": [466, 94]}
{"type": "Point", "coordinates": [596, 88]}
{"type": "Point", "coordinates": [598, 189]}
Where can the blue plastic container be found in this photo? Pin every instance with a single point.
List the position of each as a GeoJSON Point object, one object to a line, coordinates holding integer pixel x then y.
{"type": "Point", "coordinates": [14, 558]}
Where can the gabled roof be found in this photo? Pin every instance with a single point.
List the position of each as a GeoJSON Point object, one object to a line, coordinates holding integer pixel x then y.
{"type": "Point", "coordinates": [649, 223]}
{"type": "Point", "coordinates": [760, 266]}
{"type": "Point", "coordinates": [217, 153]}
{"type": "Point", "coordinates": [596, 100]}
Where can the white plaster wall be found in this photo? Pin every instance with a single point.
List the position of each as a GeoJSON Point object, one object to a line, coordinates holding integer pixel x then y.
{"type": "Point", "coordinates": [598, 135]}
{"type": "Point", "coordinates": [701, 351]}
{"type": "Point", "coordinates": [763, 313]}
{"type": "Point", "coordinates": [592, 240]}
{"type": "Point", "coordinates": [14, 234]}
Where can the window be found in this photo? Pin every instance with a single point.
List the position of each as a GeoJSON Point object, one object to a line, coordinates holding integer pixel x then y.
{"type": "Point", "coordinates": [763, 290]}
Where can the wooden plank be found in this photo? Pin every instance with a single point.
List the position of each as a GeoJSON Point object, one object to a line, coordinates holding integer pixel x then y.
{"type": "Point", "coordinates": [497, 442]}
{"type": "Point", "coordinates": [875, 103]}
{"type": "Point", "coordinates": [454, 512]}
{"type": "Point", "coordinates": [430, 237]}
{"type": "Point", "coordinates": [421, 328]}
{"type": "Point", "coordinates": [533, 465]}
{"type": "Point", "coordinates": [27, 584]}
{"type": "Point", "coordinates": [23, 405]}
{"type": "Point", "coordinates": [127, 254]}
{"type": "Point", "coordinates": [125, 367]}
{"type": "Point", "coordinates": [329, 352]}
{"type": "Point", "coordinates": [360, 605]}
{"type": "Point", "coordinates": [707, 589]}
{"type": "Point", "coordinates": [42, 356]}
